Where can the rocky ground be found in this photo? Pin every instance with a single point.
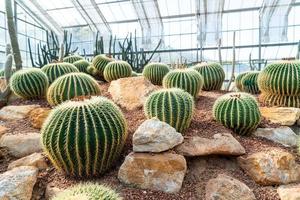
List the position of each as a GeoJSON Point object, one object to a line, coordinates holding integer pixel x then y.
{"type": "Point", "coordinates": [253, 167]}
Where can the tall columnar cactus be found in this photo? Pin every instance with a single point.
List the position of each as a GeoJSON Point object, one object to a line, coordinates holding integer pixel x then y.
{"type": "Point", "coordinates": [155, 72]}
{"type": "Point", "coordinates": [117, 69]}
{"type": "Point", "coordinates": [249, 83]}
{"type": "Point", "coordinates": [84, 138]}
{"type": "Point", "coordinates": [187, 79]}
{"type": "Point", "coordinates": [72, 58]}
{"type": "Point", "coordinates": [82, 65]}
{"type": "Point", "coordinates": [55, 70]}
{"type": "Point", "coordinates": [88, 191]}
{"type": "Point", "coordinates": [238, 81]}
{"type": "Point", "coordinates": [29, 83]}
{"type": "Point", "coordinates": [173, 106]}
{"type": "Point", "coordinates": [237, 111]}
{"type": "Point", "coordinates": [213, 75]}
{"type": "Point", "coordinates": [100, 62]}
{"type": "Point", "coordinates": [70, 86]}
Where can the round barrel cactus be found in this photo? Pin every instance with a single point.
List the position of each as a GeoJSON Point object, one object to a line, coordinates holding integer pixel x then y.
{"type": "Point", "coordinates": [280, 100]}
{"type": "Point", "coordinates": [155, 72]}
{"type": "Point", "coordinates": [213, 75]}
{"type": "Point", "coordinates": [173, 106]}
{"type": "Point", "coordinates": [249, 83]}
{"type": "Point", "coordinates": [100, 62]}
{"type": "Point", "coordinates": [237, 111]}
{"type": "Point", "coordinates": [117, 69]}
{"type": "Point", "coordinates": [84, 138]}
{"type": "Point", "coordinates": [187, 79]}
{"type": "Point", "coordinates": [72, 58]}
{"type": "Point", "coordinates": [55, 70]}
{"type": "Point", "coordinates": [88, 191]}
{"type": "Point", "coordinates": [82, 65]}
{"type": "Point", "coordinates": [29, 83]}
{"type": "Point", "coordinates": [70, 86]}
{"type": "Point", "coordinates": [238, 81]}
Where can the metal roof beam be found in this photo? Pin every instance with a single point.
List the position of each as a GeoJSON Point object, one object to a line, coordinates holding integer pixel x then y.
{"type": "Point", "coordinates": [101, 15]}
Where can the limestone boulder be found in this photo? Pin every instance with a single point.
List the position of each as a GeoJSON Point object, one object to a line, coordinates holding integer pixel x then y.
{"type": "Point", "coordinates": [36, 160]}
{"type": "Point", "coordinates": [9, 113]}
{"type": "Point", "coordinates": [285, 116]}
{"type": "Point", "coordinates": [289, 192]}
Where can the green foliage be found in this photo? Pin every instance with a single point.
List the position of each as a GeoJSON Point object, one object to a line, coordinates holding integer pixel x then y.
{"type": "Point", "coordinates": [100, 62]}
{"type": "Point", "coordinates": [187, 79]}
{"type": "Point", "coordinates": [72, 58]}
{"type": "Point", "coordinates": [84, 138]}
{"type": "Point", "coordinates": [117, 69]}
{"type": "Point", "coordinates": [213, 75]}
{"type": "Point", "coordinates": [237, 111]}
{"type": "Point", "coordinates": [70, 86]}
{"type": "Point", "coordinates": [155, 72]}
{"type": "Point", "coordinates": [173, 106]}
{"type": "Point", "coordinates": [88, 191]}
{"type": "Point", "coordinates": [2, 72]}
{"type": "Point", "coordinates": [238, 81]}
{"type": "Point", "coordinates": [55, 70]}
{"type": "Point", "coordinates": [82, 65]}
{"type": "Point", "coordinates": [29, 83]}
{"type": "Point", "coordinates": [249, 83]}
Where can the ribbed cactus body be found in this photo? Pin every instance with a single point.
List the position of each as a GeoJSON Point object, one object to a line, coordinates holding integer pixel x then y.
{"type": "Point", "coordinates": [237, 111]}
{"type": "Point", "coordinates": [280, 100]}
{"type": "Point", "coordinates": [213, 75]}
{"type": "Point", "coordinates": [173, 106]}
{"type": "Point", "coordinates": [117, 69]}
{"type": "Point", "coordinates": [29, 83]}
{"type": "Point", "coordinates": [155, 72]}
{"type": "Point", "coordinates": [73, 58]}
{"type": "Point", "coordinates": [249, 83]}
{"type": "Point", "coordinates": [100, 62]}
{"type": "Point", "coordinates": [84, 138]}
{"type": "Point", "coordinates": [89, 191]}
{"type": "Point", "coordinates": [82, 65]}
{"type": "Point", "coordinates": [187, 79]}
{"type": "Point", "coordinates": [238, 81]}
{"type": "Point", "coordinates": [70, 86]}
{"type": "Point", "coordinates": [55, 70]}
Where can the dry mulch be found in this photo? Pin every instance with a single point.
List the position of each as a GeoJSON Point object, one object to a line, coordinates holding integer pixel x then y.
{"type": "Point", "coordinates": [200, 169]}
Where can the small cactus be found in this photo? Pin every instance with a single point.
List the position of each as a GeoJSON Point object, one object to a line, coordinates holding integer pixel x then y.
{"type": "Point", "coordinates": [155, 72]}
{"type": "Point", "coordinates": [55, 70]}
{"type": "Point", "coordinates": [237, 111]}
{"type": "Point", "coordinates": [238, 81]}
{"type": "Point", "coordinates": [100, 62]}
{"type": "Point", "coordinates": [29, 83]}
{"type": "Point", "coordinates": [82, 65]}
{"type": "Point", "coordinates": [173, 106]}
{"type": "Point", "coordinates": [117, 69]}
{"type": "Point", "coordinates": [73, 58]}
{"type": "Point", "coordinates": [249, 83]}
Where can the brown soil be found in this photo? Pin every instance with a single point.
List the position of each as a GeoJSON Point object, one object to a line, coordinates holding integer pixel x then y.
{"type": "Point", "coordinates": [200, 169]}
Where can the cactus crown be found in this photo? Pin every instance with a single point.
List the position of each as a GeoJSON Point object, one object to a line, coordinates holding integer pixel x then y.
{"type": "Point", "coordinates": [117, 69]}
{"type": "Point", "coordinates": [155, 72]}
{"type": "Point", "coordinates": [100, 62]}
{"type": "Point", "coordinates": [55, 70]}
{"type": "Point", "coordinates": [249, 82]}
{"type": "Point", "coordinates": [72, 58]}
{"type": "Point", "coordinates": [82, 65]}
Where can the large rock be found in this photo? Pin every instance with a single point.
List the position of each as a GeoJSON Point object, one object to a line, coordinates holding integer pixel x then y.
{"type": "Point", "coordinates": [17, 184]}
{"type": "Point", "coordinates": [9, 113]}
{"type": "Point", "coordinates": [273, 167]}
{"type": "Point", "coordinates": [36, 160]}
{"type": "Point", "coordinates": [286, 116]}
{"type": "Point", "coordinates": [3, 130]}
{"type": "Point", "coordinates": [220, 144]}
{"type": "Point", "coordinates": [164, 172]}
{"type": "Point", "coordinates": [227, 188]}
{"type": "Point", "coordinates": [155, 136]}
{"type": "Point", "coordinates": [289, 192]}
{"type": "Point", "coordinates": [37, 116]}
{"type": "Point", "coordinates": [21, 145]}
{"type": "Point", "coordinates": [282, 135]}
{"type": "Point", "coordinates": [131, 92]}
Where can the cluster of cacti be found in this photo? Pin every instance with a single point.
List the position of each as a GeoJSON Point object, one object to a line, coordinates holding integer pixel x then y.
{"type": "Point", "coordinates": [84, 138]}
{"type": "Point", "coordinates": [99, 62]}
{"type": "Point", "coordinates": [55, 70]}
{"type": "Point", "coordinates": [70, 86]}
{"type": "Point", "coordinates": [249, 82]}
{"type": "Point", "coordinates": [72, 58]}
{"type": "Point", "coordinates": [279, 83]}
{"type": "Point", "coordinates": [237, 111]}
{"type": "Point", "coordinates": [187, 79]}
{"type": "Point", "coordinates": [238, 81]}
{"type": "Point", "coordinates": [213, 75]}
{"type": "Point", "coordinates": [155, 72]}
{"type": "Point", "coordinates": [82, 65]}
{"type": "Point", "coordinates": [29, 83]}
{"type": "Point", "coordinates": [2, 72]}
{"type": "Point", "coordinates": [173, 106]}
{"type": "Point", "coordinates": [88, 191]}
{"type": "Point", "coordinates": [117, 69]}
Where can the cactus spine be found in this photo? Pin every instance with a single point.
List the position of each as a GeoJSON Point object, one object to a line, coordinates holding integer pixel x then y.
{"type": "Point", "coordinates": [155, 72]}
{"type": "Point", "coordinates": [100, 62]}
{"type": "Point", "coordinates": [55, 70]}
{"type": "Point", "coordinates": [82, 65]}
{"type": "Point", "coordinates": [249, 83]}
{"type": "Point", "coordinates": [117, 69]}
{"type": "Point", "coordinates": [84, 138]}
{"type": "Point", "coordinates": [173, 106]}
{"type": "Point", "coordinates": [238, 81]}
{"type": "Point", "coordinates": [213, 75]}
{"type": "Point", "coordinates": [237, 111]}
{"type": "Point", "coordinates": [72, 58]}
{"type": "Point", "coordinates": [70, 86]}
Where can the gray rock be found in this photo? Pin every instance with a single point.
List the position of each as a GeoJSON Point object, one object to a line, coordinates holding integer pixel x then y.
{"type": "Point", "coordinates": [10, 113]}
{"type": "Point", "coordinates": [36, 160]}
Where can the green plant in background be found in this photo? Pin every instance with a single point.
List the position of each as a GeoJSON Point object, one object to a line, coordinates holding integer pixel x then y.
{"type": "Point", "coordinates": [29, 83]}
{"type": "Point", "coordinates": [238, 81]}
{"type": "Point", "coordinates": [84, 138]}
{"type": "Point", "coordinates": [99, 62]}
{"type": "Point", "coordinates": [237, 111]}
{"type": "Point", "coordinates": [72, 58]}
{"type": "Point", "coordinates": [187, 79]}
{"type": "Point", "coordinates": [72, 85]}
{"type": "Point", "coordinates": [279, 83]}
{"type": "Point", "coordinates": [155, 72]}
{"type": "Point", "coordinates": [88, 191]}
{"type": "Point", "coordinates": [249, 83]}
{"type": "Point", "coordinates": [173, 106]}
{"type": "Point", "coordinates": [82, 65]}
{"type": "Point", "coordinates": [117, 69]}
{"type": "Point", "coordinates": [55, 70]}
{"type": "Point", "coordinates": [12, 71]}
{"type": "Point", "coordinates": [213, 75]}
